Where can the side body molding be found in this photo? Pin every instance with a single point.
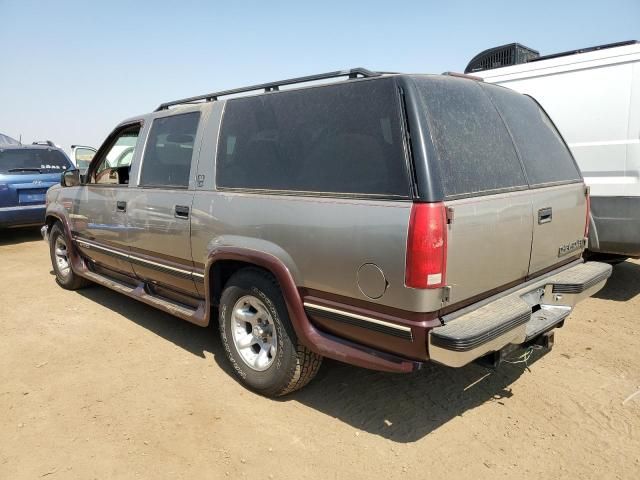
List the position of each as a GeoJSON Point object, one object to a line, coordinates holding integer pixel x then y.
{"type": "Point", "coordinates": [319, 342]}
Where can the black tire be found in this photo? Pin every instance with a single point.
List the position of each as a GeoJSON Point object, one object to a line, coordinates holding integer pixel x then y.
{"type": "Point", "coordinates": [293, 365]}
{"type": "Point", "coordinates": [67, 280]}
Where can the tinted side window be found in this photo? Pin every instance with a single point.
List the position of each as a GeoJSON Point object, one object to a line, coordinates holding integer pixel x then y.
{"type": "Point", "coordinates": [167, 156]}
{"type": "Point", "coordinates": [474, 150]}
{"type": "Point", "coordinates": [545, 156]}
{"type": "Point", "coordinates": [343, 138]}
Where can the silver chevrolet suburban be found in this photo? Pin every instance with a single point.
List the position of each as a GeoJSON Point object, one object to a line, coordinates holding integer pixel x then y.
{"type": "Point", "coordinates": [382, 220]}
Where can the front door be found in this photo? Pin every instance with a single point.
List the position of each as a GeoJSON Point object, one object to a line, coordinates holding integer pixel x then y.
{"type": "Point", "coordinates": [159, 210]}
{"type": "Point", "coordinates": [99, 211]}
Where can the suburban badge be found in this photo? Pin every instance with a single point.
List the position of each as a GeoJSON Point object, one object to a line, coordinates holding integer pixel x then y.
{"type": "Point", "coordinates": [568, 248]}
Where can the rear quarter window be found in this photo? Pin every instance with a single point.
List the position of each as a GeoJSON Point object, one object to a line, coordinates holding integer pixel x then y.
{"type": "Point", "coordinates": [474, 151]}
{"type": "Point", "coordinates": [337, 139]}
{"type": "Point", "coordinates": [545, 156]}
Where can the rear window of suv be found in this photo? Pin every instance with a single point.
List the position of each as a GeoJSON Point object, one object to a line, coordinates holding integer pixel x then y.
{"type": "Point", "coordinates": [545, 156]}
{"type": "Point", "coordinates": [336, 139]}
{"type": "Point", "coordinates": [490, 139]}
{"type": "Point", "coordinates": [26, 160]}
{"type": "Point", "coordinates": [475, 153]}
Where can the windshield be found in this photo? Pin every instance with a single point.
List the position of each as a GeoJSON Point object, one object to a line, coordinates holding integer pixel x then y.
{"type": "Point", "coordinates": [30, 160]}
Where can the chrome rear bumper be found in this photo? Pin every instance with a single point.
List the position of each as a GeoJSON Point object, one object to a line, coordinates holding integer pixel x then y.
{"type": "Point", "coordinates": [516, 316]}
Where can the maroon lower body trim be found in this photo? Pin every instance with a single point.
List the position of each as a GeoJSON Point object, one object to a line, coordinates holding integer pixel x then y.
{"type": "Point", "coordinates": [413, 346]}
{"type": "Point", "coordinates": [322, 343]}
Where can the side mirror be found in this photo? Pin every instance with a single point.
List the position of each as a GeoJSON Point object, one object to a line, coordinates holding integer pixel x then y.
{"type": "Point", "coordinates": [70, 178]}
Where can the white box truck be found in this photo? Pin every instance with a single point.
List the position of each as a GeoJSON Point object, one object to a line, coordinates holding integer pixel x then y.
{"type": "Point", "coordinates": [593, 97]}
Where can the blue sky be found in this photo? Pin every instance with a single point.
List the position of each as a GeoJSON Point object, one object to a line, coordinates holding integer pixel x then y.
{"type": "Point", "coordinates": [71, 70]}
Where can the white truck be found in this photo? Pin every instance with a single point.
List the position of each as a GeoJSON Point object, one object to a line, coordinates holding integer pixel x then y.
{"type": "Point", "coordinates": [593, 97]}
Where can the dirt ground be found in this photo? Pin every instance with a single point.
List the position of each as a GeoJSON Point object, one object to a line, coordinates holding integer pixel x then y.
{"type": "Point", "coordinates": [93, 385]}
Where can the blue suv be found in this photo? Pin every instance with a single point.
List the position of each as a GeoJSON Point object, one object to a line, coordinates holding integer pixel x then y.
{"type": "Point", "coordinates": [26, 173]}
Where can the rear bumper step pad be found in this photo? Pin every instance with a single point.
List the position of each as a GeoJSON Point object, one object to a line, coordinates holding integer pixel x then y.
{"type": "Point", "coordinates": [482, 325]}
{"type": "Point", "coordinates": [577, 280]}
{"type": "Point", "coordinates": [512, 317]}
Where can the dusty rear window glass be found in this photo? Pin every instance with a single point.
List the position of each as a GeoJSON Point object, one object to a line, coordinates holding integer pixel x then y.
{"type": "Point", "coordinates": [474, 150]}
{"type": "Point", "coordinates": [545, 156]}
{"type": "Point", "coordinates": [343, 138]}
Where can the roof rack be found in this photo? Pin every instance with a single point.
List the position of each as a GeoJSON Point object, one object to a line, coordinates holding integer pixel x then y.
{"type": "Point", "coordinates": [272, 86]}
{"type": "Point", "coordinates": [463, 75]}
{"type": "Point", "coordinates": [44, 142]}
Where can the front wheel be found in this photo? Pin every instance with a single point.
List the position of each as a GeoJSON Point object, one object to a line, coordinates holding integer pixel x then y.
{"type": "Point", "coordinates": [258, 338]}
{"type": "Point", "coordinates": [59, 251]}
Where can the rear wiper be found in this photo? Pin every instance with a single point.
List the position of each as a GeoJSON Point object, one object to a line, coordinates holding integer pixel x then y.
{"type": "Point", "coordinates": [39, 170]}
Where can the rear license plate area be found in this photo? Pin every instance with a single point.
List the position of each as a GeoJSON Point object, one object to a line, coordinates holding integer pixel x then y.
{"type": "Point", "coordinates": [31, 196]}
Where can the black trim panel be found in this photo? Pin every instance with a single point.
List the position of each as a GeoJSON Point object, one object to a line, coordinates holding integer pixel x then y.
{"type": "Point", "coordinates": [356, 322]}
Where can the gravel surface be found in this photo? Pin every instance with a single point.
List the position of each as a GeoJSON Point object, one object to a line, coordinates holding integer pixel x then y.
{"type": "Point", "coordinates": [94, 385]}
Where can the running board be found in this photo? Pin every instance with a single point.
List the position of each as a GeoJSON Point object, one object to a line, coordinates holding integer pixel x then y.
{"type": "Point", "coordinates": [140, 292]}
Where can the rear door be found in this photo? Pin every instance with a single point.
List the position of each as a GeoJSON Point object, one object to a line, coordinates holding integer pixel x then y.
{"type": "Point", "coordinates": [557, 192]}
{"type": "Point", "coordinates": [490, 234]}
{"type": "Point", "coordinates": [159, 208]}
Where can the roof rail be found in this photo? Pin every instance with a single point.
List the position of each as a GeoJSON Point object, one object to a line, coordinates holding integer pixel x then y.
{"type": "Point", "coordinates": [44, 142]}
{"type": "Point", "coordinates": [463, 75]}
{"type": "Point", "coordinates": [272, 86]}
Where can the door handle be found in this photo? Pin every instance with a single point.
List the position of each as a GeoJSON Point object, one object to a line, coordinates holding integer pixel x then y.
{"type": "Point", "coordinates": [545, 215]}
{"type": "Point", "coordinates": [121, 206]}
{"type": "Point", "coordinates": [181, 211]}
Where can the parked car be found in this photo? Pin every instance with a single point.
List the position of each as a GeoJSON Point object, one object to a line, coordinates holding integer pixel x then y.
{"type": "Point", "coordinates": [26, 172]}
{"type": "Point", "coordinates": [384, 221]}
{"type": "Point", "coordinates": [593, 96]}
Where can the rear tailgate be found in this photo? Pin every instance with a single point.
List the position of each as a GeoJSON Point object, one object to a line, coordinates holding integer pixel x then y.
{"type": "Point", "coordinates": [25, 189]}
{"type": "Point", "coordinates": [490, 232]}
{"type": "Point", "coordinates": [501, 163]}
{"type": "Point", "coordinates": [558, 194]}
{"type": "Point", "coordinates": [489, 241]}
{"type": "Point", "coordinates": [559, 221]}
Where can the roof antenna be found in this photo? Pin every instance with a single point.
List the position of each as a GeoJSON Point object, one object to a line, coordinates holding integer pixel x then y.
{"type": "Point", "coordinates": [20, 139]}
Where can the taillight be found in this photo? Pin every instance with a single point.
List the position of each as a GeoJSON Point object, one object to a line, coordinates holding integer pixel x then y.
{"type": "Point", "coordinates": [427, 246]}
{"type": "Point", "coordinates": [588, 198]}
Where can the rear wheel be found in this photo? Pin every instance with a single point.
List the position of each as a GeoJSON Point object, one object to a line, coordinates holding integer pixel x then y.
{"type": "Point", "coordinates": [61, 262]}
{"type": "Point", "coordinates": [258, 338]}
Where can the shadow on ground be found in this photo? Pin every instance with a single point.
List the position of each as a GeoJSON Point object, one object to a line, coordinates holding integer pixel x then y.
{"type": "Point", "coordinates": [405, 408]}
{"type": "Point", "coordinates": [624, 283]}
{"type": "Point", "coordinates": [13, 236]}
{"type": "Point", "coordinates": [402, 408]}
